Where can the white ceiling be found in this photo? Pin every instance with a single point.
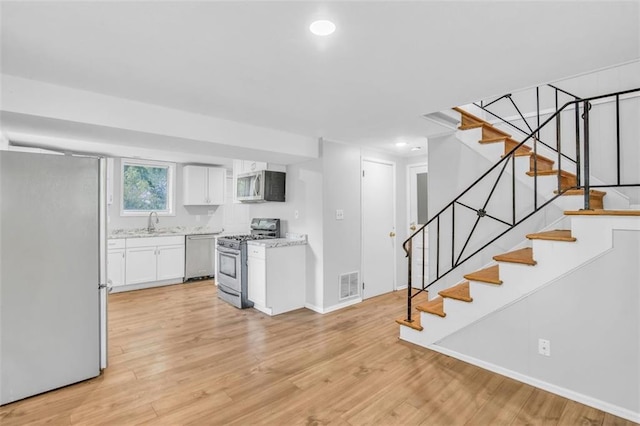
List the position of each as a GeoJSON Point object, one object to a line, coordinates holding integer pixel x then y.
{"type": "Point", "coordinates": [387, 64]}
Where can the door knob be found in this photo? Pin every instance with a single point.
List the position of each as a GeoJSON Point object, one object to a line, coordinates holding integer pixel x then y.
{"type": "Point", "coordinates": [412, 227]}
{"type": "Point", "coordinates": [392, 234]}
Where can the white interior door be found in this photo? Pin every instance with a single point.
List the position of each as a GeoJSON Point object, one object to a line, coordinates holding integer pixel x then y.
{"type": "Point", "coordinates": [418, 177]}
{"type": "Point", "coordinates": [378, 227]}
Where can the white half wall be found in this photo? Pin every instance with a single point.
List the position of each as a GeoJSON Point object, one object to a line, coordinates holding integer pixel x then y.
{"type": "Point", "coordinates": [591, 316]}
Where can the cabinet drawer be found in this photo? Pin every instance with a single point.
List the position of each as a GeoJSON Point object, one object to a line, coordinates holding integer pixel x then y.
{"type": "Point", "coordinates": [155, 241]}
{"type": "Point", "coordinates": [116, 244]}
{"type": "Point", "coordinates": [256, 251]}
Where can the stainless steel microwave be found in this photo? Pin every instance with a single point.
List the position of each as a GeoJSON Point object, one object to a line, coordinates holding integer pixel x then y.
{"type": "Point", "coordinates": [260, 186]}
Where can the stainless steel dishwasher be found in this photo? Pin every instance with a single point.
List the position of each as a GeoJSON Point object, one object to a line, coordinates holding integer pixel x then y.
{"type": "Point", "coordinates": [200, 256]}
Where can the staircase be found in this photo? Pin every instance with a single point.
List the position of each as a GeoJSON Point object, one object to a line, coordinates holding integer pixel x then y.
{"type": "Point", "coordinates": [530, 265]}
{"type": "Point", "coordinates": [516, 274]}
{"type": "Point", "coordinates": [538, 164]}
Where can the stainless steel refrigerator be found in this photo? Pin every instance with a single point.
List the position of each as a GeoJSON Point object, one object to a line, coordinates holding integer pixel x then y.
{"type": "Point", "coordinates": [53, 296]}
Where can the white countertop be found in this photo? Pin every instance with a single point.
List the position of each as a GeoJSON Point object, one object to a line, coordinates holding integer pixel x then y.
{"type": "Point", "coordinates": [162, 232]}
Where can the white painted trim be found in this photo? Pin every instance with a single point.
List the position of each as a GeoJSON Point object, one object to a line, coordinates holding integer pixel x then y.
{"type": "Point", "coordinates": [409, 167]}
{"type": "Point", "coordinates": [395, 219]}
{"type": "Point", "coordinates": [141, 286]}
{"type": "Point", "coordinates": [549, 387]}
{"type": "Point", "coordinates": [171, 192]}
{"type": "Point", "coordinates": [313, 308]}
{"type": "Point", "coordinates": [336, 307]}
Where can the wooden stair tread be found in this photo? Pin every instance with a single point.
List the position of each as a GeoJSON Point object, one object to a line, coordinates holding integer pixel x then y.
{"type": "Point", "coordinates": [493, 140]}
{"type": "Point", "coordinates": [555, 235]}
{"type": "Point", "coordinates": [602, 212]}
{"type": "Point", "coordinates": [489, 275]}
{"type": "Point", "coordinates": [470, 121]}
{"type": "Point", "coordinates": [523, 256]}
{"type": "Point", "coordinates": [468, 115]}
{"type": "Point", "coordinates": [541, 158]}
{"type": "Point", "coordinates": [458, 292]}
{"type": "Point", "coordinates": [470, 126]}
{"type": "Point", "coordinates": [551, 173]}
{"type": "Point", "coordinates": [434, 306]}
{"type": "Point", "coordinates": [415, 322]}
{"type": "Point", "coordinates": [592, 192]}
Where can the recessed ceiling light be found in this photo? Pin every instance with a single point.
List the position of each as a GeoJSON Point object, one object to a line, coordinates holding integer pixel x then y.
{"type": "Point", "coordinates": [401, 144]}
{"type": "Point", "coordinates": [322, 27]}
{"type": "Point", "coordinates": [416, 148]}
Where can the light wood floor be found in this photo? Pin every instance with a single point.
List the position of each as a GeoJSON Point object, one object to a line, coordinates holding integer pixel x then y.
{"type": "Point", "coordinates": [180, 356]}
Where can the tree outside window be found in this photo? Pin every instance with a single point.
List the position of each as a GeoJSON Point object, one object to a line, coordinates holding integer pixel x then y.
{"type": "Point", "coordinates": [147, 187]}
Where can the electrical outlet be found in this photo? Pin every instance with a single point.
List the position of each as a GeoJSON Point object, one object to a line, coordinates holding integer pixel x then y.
{"type": "Point", "coordinates": [296, 214]}
{"type": "Point", "coordinates": [544, 347]}
{"type": "Point", "coordinates": [339, 214]}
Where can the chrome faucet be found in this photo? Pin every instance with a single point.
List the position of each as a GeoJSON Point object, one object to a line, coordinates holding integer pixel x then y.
{"type": "Point", "coordinates": [151, 226]}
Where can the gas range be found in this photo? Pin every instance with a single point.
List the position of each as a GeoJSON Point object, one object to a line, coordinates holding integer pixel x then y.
{"type": "Point", "coordinates": [231, 252]}
{"type": "Point", "coordinates": [234, 241]}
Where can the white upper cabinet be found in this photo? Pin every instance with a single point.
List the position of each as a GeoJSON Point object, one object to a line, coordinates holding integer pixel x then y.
{"type": "Point", "coordinates": [203, 186]}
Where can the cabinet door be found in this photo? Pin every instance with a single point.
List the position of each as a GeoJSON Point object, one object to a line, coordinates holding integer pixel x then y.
{"type": "Point", "coordinates": [170, 262]}
{"type": "Point", "coordinates": [257, 282]}
{"type": "Point", "coordinates": [215, 184]}
{"type": "Point", "coordinates": [194, 185]}
{"type": "Point", "coordinates": [140, 265]}
{"type": "Point", "coordinates": [116, 267]}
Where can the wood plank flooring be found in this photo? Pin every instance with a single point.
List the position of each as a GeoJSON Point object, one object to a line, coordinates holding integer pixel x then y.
{"type": "Point", "coordinates": [179, 355]}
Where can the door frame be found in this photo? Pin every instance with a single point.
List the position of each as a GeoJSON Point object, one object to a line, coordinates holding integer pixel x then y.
{"type": "Point", "coordinates": [409, 167]}
{"type": "Point", "coordinates": [395, 220]}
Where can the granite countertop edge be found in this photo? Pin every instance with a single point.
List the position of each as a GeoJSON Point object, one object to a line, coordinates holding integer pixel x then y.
{"type": "Point", "coordinates": [278, 242]}
{"type": "Point", "coordinates": [170, 232]}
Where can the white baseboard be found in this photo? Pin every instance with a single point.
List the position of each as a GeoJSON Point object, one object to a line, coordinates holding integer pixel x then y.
{"type": "Point", "coordinates": [342, 305]}
{"type": "Point", "coordinates": [142, 286]}
{"type": "Point", "coordinates": [558, 390]}
{"type": "Point", "coordinates": [314, 308]}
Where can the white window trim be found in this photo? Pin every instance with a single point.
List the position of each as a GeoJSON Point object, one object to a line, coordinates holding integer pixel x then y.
{"type": "Point", "coordinates": [171, 187]}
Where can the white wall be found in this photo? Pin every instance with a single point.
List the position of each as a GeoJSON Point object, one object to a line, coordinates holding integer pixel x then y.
{"type": "Point", "coordinates": [453, 166]}
{"type": "Point", "coordinates": [304, 188]}
{"type": "Point", "coordinates": [592, 318]}
{"type": "Point", "coordinates": [342, 239]}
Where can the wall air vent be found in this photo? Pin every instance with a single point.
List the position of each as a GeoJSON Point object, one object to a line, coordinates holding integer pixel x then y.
{"type": "Point", "coordinates": [349, 285]}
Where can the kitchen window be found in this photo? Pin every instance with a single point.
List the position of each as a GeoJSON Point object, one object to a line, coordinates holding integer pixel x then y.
{"type": "Point", "coordinates": [147, 186]}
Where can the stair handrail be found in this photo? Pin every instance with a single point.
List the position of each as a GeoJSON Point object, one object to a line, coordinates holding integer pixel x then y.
{"type": "Point", "coordinates": [586, 104]}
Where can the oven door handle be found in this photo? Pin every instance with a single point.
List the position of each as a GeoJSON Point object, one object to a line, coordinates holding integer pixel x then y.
{"type": "Point", "coordinates": [227, 292]}
{"type": "Point", "coordinates": [229, 251]}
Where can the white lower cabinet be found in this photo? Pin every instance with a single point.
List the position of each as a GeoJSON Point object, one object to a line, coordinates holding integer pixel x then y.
{"type": "Point", "coordinates": [276, 277]}
{"type": "Point", "coordinates": [170, 262]}
{"type": "Point", "coordinates": [141, 265]}
{"type": "Point", "coordinates": [116, 263]}
{"type": "Point", "coordinates": [154, 259]}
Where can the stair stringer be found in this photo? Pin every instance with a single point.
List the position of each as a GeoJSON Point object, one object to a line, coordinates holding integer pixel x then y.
{"type": "Point", "coordinates": [594, 236]}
